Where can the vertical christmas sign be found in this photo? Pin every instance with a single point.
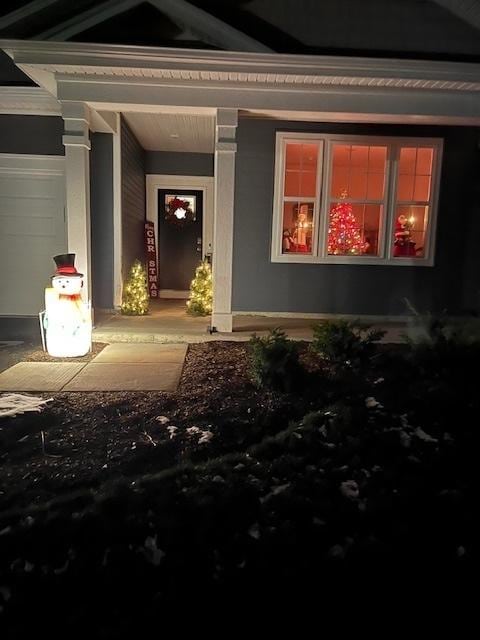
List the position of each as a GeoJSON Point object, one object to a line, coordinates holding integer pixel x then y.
{"type": "Point", "coordinates": [151, 258]}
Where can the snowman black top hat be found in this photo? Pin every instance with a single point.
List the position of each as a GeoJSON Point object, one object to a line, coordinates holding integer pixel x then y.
{"type": "Point", "coordinates": [65, 266]}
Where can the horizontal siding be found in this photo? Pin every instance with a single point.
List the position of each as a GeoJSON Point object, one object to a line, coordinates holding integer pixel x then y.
{"type": "Point", "coordinates": [133, 199]}
{"type": "Point", "coordinates": [453, 283]}
{"type": "Point", "coordinates": [37, 135]}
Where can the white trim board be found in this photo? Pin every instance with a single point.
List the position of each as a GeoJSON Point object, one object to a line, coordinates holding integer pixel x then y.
{"type": "Point", "coordinates": [29, 101]}
{"type": "Point", "coordinates": [324, 316]}
{"type": "Point", "coordinates": [117, 216]}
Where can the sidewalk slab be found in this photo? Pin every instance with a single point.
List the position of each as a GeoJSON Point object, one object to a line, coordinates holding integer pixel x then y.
{"type": "Point", "coordinates": [136, 376]}
{"type": "Point", "coordinates": [124, 352]}
{"type": "Point", "coordinates": [39, 376]}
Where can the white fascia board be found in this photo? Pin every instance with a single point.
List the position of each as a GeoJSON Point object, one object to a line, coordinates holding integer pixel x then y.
{"type": "Point", "coordinates": [33, 101]}
{"type": "Point", "coordinates": [81, 57]}
{"type": "Point", "coordinates": [382, 101]}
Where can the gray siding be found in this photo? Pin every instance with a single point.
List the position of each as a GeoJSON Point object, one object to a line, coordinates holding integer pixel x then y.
{"type": "Point", "coordinates": [101, 210]}
{"type": "Point", "coordinates": [179, 164]}
{"type": "Point", "coordinates": [453, 283]}
{"type": "Point", "coordinates": [133, 199]}
{"type": "Point", "coordinates": [39, 135]}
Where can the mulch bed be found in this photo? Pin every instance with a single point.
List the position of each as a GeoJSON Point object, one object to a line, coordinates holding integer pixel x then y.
{"type": "Point", "coordinates": [129, 507]}
{"type": "Point", "coordinates": [84, 439]}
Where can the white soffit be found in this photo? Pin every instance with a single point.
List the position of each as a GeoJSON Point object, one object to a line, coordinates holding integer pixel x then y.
{"type": "Point", "coordinates": [184, 132]}
{"type": "Point", "coordinates": [259, 70]}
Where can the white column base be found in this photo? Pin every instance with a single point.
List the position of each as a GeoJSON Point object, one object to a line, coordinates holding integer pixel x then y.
{"type": "Point", "coordinates": [223, 322]}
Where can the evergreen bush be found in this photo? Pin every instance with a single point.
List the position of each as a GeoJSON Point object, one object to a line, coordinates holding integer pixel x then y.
{"type": "Point", "coordinates": [136, 299]}
{"type": "Point", "coordinates": [201, 295]}
{"type": "Point", "coordinates": [275, 362]}
{"type": "Point", "coordinates": [345, 343]}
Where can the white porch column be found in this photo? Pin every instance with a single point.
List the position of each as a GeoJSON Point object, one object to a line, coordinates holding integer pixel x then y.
{"type": "Point", "coordinates": [77, 183]}
{"type": "Point", "coordinates": [225, 149]}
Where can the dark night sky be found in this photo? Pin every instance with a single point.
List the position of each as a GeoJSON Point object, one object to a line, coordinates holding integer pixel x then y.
{"type": "Point", "coordinates": [386, 28]}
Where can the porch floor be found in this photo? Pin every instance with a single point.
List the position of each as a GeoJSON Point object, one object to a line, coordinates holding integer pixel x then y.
{"type": "Point", "coordinates": [169, 322]}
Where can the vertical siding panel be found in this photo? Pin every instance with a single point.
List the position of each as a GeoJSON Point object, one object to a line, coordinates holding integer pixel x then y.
{"type": "Point", "coordinates": [133, 198]}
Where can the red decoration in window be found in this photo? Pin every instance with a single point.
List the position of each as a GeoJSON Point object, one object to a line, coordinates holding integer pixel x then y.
{"type": "Point", "coordinates": [344, 237]}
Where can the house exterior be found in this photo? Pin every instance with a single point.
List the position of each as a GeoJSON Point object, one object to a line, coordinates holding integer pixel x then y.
{"type": "Point", "coordinates": [337, 180]}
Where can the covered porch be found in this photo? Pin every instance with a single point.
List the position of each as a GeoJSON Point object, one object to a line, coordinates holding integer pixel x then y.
{"type": "Point", "coordinates": [169, 322]}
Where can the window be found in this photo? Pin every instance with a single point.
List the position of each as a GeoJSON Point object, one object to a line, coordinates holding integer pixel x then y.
{"type": "Point", "coordinates": [355, 199]}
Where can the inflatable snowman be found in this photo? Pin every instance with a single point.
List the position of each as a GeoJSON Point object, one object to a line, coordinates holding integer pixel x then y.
{"type": "Point", "coordinates": [68, 322]}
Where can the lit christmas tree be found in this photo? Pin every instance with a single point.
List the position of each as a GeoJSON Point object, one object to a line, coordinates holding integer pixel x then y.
{"type": "Point", "coordinates": [135, 292]}
{"type": "Point", "coordinates": [344, 237]}
{"type": "Point", "coordinates": [200, 301]}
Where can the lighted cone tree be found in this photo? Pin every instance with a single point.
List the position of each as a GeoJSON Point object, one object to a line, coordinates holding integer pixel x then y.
{"type": "Point", "coordinates": [135, 292]}
{"type": "Point", "coordinates": [200, 300]}
{"type": "Point", "coordinates": [344, 237]}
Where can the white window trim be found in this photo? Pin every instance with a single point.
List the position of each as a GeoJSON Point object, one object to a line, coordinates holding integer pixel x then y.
{"type": "Point", "coordinates": [322, 200]}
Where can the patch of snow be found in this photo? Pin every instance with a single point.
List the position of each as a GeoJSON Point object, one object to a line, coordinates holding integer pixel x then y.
{"type": "Point", "coordinates": [28, 567]}
{"type": "Point", "coordinates": [404, 421]}
{"type": "Point", "coordinates": [379, 381]}
{"type": "Point", "coordinates": [205, 437]}
{"type": "Point", "coordinates": [405, 439]}
{"type": "Point", "coordinates": [254, 531]}
{"type": "Point", "coordinates": [193, 430]}
{"type": "Point", "coordinates": [5, 593]}
{"type": "Point", "coordinates": [275, 492]}
{"type": "Point", "coordinates": [350, 489]}
{"type": "Point", "coordinates": [152, 553]}
{"type": "Point", "coordinates": [337, 551]}
{"type": "Point", "coordinates": [62, 569]}
{"type": "Point", "coordinates": [172, 431]}
{"type": "Point", "coordinates": [420, 433]}
{"type": "Point", "coordinates": [162, 419]}
{"type": "Point", "coordinates": [371, 403]}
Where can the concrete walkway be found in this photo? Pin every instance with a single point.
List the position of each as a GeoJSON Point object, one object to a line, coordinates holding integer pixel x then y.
{"type": "Point", "coordinates": [168, 322]}
{"type": "Point", "coordinates": [119, 367]}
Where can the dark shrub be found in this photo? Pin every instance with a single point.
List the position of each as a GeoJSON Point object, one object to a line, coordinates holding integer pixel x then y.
{"type": "Point", "coordinates": [275, 362]}
{"type": "Point", "coordinates": [345, 343]}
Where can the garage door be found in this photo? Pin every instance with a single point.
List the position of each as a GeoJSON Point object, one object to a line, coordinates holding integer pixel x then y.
{"type": "Point", "coordinates": [32, 229]}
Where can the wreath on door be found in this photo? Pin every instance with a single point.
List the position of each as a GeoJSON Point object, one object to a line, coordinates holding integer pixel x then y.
{"type": "Point", "coordinates": [179, 212]}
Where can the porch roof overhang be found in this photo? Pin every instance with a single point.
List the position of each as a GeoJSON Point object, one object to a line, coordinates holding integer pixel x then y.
{"type": "Point", "coordinates": [126, 78]}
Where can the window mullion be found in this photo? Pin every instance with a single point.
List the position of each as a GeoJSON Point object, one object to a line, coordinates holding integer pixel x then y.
{"type": "Point", "coordinates": [391, 196]}
{"type": "Point", "coordinates": [325, 200]}
{"type": "Point", "coordinates": [317, 210]}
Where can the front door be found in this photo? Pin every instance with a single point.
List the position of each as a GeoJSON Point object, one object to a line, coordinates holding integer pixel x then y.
{"type": "Point", "coordinates": [180, 216]}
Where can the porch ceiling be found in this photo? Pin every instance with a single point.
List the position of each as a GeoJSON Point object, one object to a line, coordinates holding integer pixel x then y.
{"type": "Point", "coordinates": [184, 132]}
